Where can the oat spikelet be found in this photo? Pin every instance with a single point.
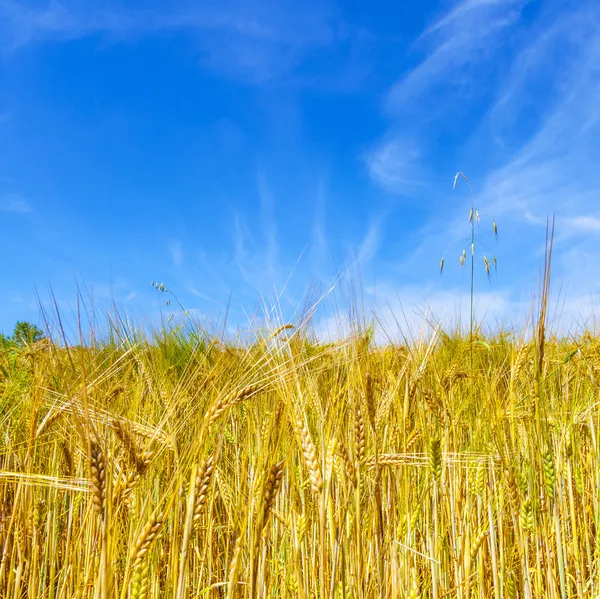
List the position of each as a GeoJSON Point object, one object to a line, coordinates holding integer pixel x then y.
{"type": "Point", "coordinates": [203, 479]}
{"type": "Point", "coordinates": [310, 456]}
{"type": "Point", "coordinates": [98, 471]}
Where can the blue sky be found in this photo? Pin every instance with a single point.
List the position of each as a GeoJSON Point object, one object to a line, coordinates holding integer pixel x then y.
{"type": "Point", "coordinates": [252, 154]}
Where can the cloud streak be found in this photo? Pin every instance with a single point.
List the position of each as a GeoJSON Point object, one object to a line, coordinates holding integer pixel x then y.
{"type": "Point", "coordinates": [526, 92]}
{"type": "Point", "coordinates": [395, 164]}
{"type": "Point", "coordinates": [460, 46]}
{"type": "Point", "coordinates": [246, 40]}
{"type": "Point", "coordinates": [460, 50]}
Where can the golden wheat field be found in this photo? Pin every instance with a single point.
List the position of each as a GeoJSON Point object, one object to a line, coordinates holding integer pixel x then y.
{"type": "Point", "coordinates": [186, 467]}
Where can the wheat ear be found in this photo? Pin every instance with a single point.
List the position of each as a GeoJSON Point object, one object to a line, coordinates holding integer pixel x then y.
{"type": "Point", "coordinates": [310, 456]}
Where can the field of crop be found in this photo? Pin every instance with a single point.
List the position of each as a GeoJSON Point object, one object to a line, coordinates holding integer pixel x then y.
{"type": "Point", "coordinates": [186, 467]}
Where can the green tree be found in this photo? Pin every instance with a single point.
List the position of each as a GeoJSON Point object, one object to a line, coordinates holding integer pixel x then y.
{"type": "Point", "coordinates": [26, 333]}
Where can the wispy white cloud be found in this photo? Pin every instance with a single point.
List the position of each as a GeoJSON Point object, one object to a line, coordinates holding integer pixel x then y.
{"type": "Point", "coordinates": [369, 246]}
{"type": "Point", "coordinates": [464, 10]}
{"type": "Point", "coordinates": [533, 87]}
{"type": "Point", "coordinates": [460, 50]}
{"type": "Point", "coordinates": [583, 224]}
{"type": "Point", "coordinates": [246, 39]}
{"type": "Point", "coordinates": [14, 203]}
{"type": "Point", "coordinates": [555, 166]}
{"type": "Point", "coordinates": [395, 164]}
{"type": "Point", "coordinates": [459, 46]}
